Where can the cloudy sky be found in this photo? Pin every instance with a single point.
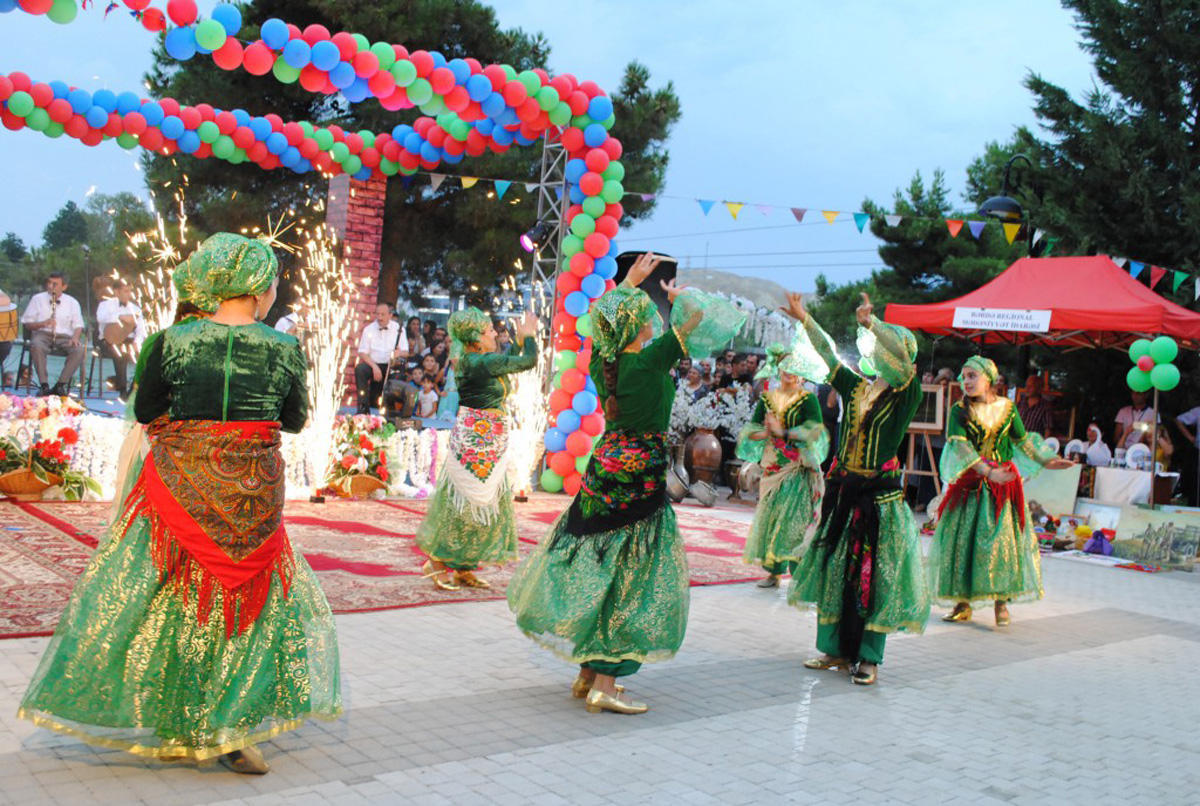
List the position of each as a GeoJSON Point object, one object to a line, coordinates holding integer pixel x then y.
{"type": "Point", "coordinates": [785, 104]}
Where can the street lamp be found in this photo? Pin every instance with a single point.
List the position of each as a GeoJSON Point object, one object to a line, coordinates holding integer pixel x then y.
{"type": "Point", "coordinates": [1005, 208]}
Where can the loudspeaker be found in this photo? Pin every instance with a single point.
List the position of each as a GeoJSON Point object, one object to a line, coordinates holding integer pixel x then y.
{"type": "Point", "coordinates": [665, 271]}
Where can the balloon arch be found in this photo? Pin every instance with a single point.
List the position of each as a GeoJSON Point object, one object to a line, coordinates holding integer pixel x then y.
{"type": "Point", "coordinates": [468, 109]}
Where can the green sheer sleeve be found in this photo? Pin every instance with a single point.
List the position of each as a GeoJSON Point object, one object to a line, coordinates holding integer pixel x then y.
{"type": "Point", "coordinates": [813, 354]}
{"type": "Point", "coordinates": [810, 435]}
{"type": "Point", "coordinates": [749, 446]}
{"type": "Point", "coordinates": [720, 321]}
{"type": "Point", "coordinates": [958, 455]}
{"type": "Point", "coordinates": [495, 364]}
{"type": "Point", "coordinates": [887, 353]}
{"type": "Point", "coordinates": [1030, 452]}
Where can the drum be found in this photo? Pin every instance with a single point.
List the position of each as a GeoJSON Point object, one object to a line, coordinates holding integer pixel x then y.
{"type": "Point", "coordinates": [9, 323]}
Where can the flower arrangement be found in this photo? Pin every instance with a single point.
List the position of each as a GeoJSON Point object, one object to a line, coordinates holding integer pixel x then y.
{"type": "Point", "coordinates": [736, 409]}
{"type": "Point", "coordinates": [680, 424]}
{"type": "Point", "coordinates": [47, 461]}
{"type": "Point", "coordinates": [359, 452]}
{"type": "Point", "coordinates": [706, 413]}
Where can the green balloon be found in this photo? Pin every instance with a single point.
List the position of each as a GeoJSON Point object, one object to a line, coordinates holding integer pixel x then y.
{"type": "Point", "coordinates": [459, 130]}
{"type": "Point", "coordinates": [210, 34]}
{"type": "Point", "coordinates": [584, 325]}
{"type": "Point", "coordinates": [368, 138]}
{"type": "Point", "coordinates": [547, 98]}
{"type": "Point", "coordinates": [1165, 377]}
{"type": "Point", "coordinates": [208, 131]}
{"type": "Point", "coordinates": [556, 381]}
{"type": "Point", "coordinates": [420, 91]}
{"type": "Point", "coordinates": [615, 170]}
{"type": "Point", "coordinates": [352, 164]}
{"type": "Point", "coordinates": [1138, 380]}
{"type": "Point", "coordinates": [387, 167]}
{"type": "Point", "coordinates": [284, 72]}
{"type": "Point", "coordinates": [339, 152]}
{"type": "Point", "coordinates": [324, 139]}
{"type": "Point", "coordinates": [238, 156]}
{"type": "Point", "coordinates": [63, 11]}
{"type": "Point", "coordinates": [127, 141]}
{"type": "Point", "coordinates": [20, 103]}
{"type": "Point", "coordinates": [551, 481]}
{"type": "Point", "coordinates": [581, 462]}
{"type": "Point", "coordinates": [434, 106]}
{"type": "Point", "coordinates": [54, 130]}
{"type": "Point", "coordinates": [510, 72]}
{"type": "Point", "coordinates": [531, 80]}
{"type": "Point", "coordinates": [307, 128]}
{"type": "Point", "coordinates": [608, 122]}
{"type": "Point", "coordinates": [405, 73]}
{"type": "Point", "coordinates": [572, 244]}
{"type": "Point", "coordinates": [223, 147]}
{"type": "Point", "coordinates": [561, 114]}
{"type": "Point", "coordinates": [594, 206]}
{"type": "Point", "coordinates": [583, 225]}
{"type": "Point", "coordinates": [384, 52]}
{"type": "Point", "coordinates": [408, 171]}
{"type": "Point", "coordinates": [362, 42]}
{"type": "Point", "coordinates": [1139, 348]}
{"type": "Point", "coordinates": [564, 360]}
{"type": "Point", "coordinates": [581, 121]}
{"type": "Point", "coordinates": [38, 120]}
{"type": "Point", "coordinates": [1163, 350]}
{"type": "Point", "coordinates": [613, 191]}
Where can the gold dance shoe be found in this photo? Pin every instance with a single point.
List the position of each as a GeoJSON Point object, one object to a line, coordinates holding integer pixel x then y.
{"type": "Point", "coordinates": [1002, 618]}
{"type": "Point", "coordinates": [469, 580]}
{"type": "Point", "coordinates": [581, 687]}
{"type": "Point", "coordinates": [864, 678]}
{"type": "Point", "coordinates": [440, 579]}
{"type": "Point", "coordinates": [823, 662]}
{"type": "Point", "coordinates": [771, 581]}
{"type": "Point", "coordinates": [962, 612]}
{"type": "Point", "coordinates": [247, 761]}
{"type": "Point", "coordinates": [598, 701]}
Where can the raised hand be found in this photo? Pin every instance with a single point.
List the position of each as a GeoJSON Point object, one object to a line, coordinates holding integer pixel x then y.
{"type": "Point", "coordinates": [795, 306]}
{"type": "Point", "coordinates": [864, 311]}
{"type": "Point", "coordinates": [528, 326]}
{"type": "Point", "coordinates": [642, 268]}
{"type": "Point", "coordinates": [671, 289]}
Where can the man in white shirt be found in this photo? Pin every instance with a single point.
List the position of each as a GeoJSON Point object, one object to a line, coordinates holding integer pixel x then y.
{"type": "Point", "coordinates": [1135, 422]}
{"type": "Point", "coordinates": [382, 342]}
{"type": "Point", "coordinates": [55, 324]}
{"type": "Point", "coordinates": [288, 322]}
{"type": "Point", "coordinates": [122, 331]}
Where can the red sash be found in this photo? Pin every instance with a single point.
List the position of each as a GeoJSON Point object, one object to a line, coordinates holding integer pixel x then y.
{"type": "Point", "coordinates": [1013, 492]}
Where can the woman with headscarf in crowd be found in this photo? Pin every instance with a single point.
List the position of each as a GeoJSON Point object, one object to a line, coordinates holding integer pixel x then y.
{"type": "Point", "coordinates": [787, 438]}
{"type": "Point", "coordinates": [863, 570]}
{"type": "Point", "coordinates": [195, 630]}
{"type": "Point", "coordinates": [608, 587]}
{"type": "Point", "coordinates": [470, 520]}
{"type": "Point", "coordinates": [984, 547]}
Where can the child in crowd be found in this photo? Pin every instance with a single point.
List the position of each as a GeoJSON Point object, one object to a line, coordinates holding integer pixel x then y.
{"type": "Point", "coordinates": [427, 401]}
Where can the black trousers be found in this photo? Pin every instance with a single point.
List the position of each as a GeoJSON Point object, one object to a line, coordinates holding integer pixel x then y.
{"type": "Point", "coordinates": [368, 388]}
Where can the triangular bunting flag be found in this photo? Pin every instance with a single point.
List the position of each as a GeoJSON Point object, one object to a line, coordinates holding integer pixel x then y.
{"type": "Point", "coordinates": [1156, 274]}
{"type": "Point", "coordinates": [706, 205]}
{"type": "Point", "coordinates": [799, 212]}
{"type": "Point", "coordinates": [1135, 268]}
{"type": "Point", "coordinates": [893, 220]}
{"type": "Point", "coordinates": [1010, 231]}
{"type": "Point", "coordinates": [861, 219]}
{"type": "Point", "coordinates": [530, 187]}
{"type": "Point", "coordinates": [1177, 278]}
{"type": "Point", "coordinates": [1037, 234]}
{"type": "Point", "coordinates": [830, 215]}
{"type": "Point", "coordinates": [765, 209]}
{"type": "Point", "coordinates": [1120, 261]}
{"type": "Point", "coordinates": [1196, 293]}
{"type": "Point", "coordinates": [647, 197]}
{"type": "Point", "coordinates": [976, 228]}
{"type": "Point", "coordinates": [954, 225]}
{"type": "Point", "coordinates": [436, 180]}
{"type": "Point", "coordinates": [734, 208]}
{"type": "Point", "coordinates": [469, 181]}
{"type": "Point", "coordinates": [502, 187]}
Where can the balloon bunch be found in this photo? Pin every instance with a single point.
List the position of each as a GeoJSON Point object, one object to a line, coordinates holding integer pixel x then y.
{"type": "Point", "coordinates": [1153, 368]}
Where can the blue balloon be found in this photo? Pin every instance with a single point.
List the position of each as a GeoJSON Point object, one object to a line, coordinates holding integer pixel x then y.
{"type": "Point", "coordinates": [453, 159]}
{"type": "Point", "coordinates": [274, 33]}
{"type": "Point", "coordinates": [413, 143]}
{"type": "Point", "coordinates": [479, 87]}
{"type": "Point", "coordinates": [606, 268]}
{"type": "Point", "coordinates": [297, 53]}
{"type": "Point", "coordinates": [576, 303]}
{"type": "Point", "coordinates": [231, 20]}
{"type": "Point", "coordinates": [325, 55]}
{"type": "Point", "coordinates": [523, 140]}
{"type": "Point", "coordinates": [575, 170]}
{"type": "Point", "coordinates": [438, 59]}
{"type": "Point", "coordinates": [80, 100]}
{"type": "Point", "coordinates": [430, 153]}
{"type": "Point", "coordinates": [363, 173]}
{"type": "Point", "coordinates": [613, 249]}
{"type": "Point", "coordinates": [461, 70]}
{"type": "Point", "coordinates": [592, 285]}
{"type": "Point", "coordinates": [357, 91]}
{"type": "Point", "coordinates": [105, 99]}
{"type": "Point", "coordinates": [503, 137]}
{"type": "Point", "coordinates": [568, 421]}
{"type": "Point", "coordinates": [400, 131]}
{"type": "Point", "coordinates": [493, 105]}
{"type": "Point", "coordinates": [509, 117]}
{"type": "Point", "coordinates": [261, 127]}
{"type": "Point", "coordinates": [584, 402]}
{"type": "Point", "coordinates": [241, 116]}
{"type": "Point", "coordinates": [7, 6]}
{"type": "Point", "coordinates": [289, 157]}
{"type": "Point", "coordinates": [342, 76]}
{"type": "Point", "coordinates": [181, 43]}
{"type": "Point", "coordinates": [589, 384]}
{"type": "Point", "coordinates": [595, 135]}
{"type": "Point", "coordinates": [302, 167]}
{"type": "Point", "coordinates": [96, 117]}
{"type": "Point", "coordinates": [575, 194]}
{"type": "Point", "coordinates": [60, 89]}
{"type": "Point", "coordinates": [152, 112]}
{"type": "Point", "coordinates": [126, 103]}
{"type": "Point", "coordinates": [171, 127]}
{"type": "Point", "coordinates": [485, 127]}
{"type": "Point", "coordinates": [277, 143]}
{"type": "Point", "coordinates": [188, 142]}
{"type": "Point", "coordinates": [599, 108]}
{"type": "Point", "coordinates": [555, 439]}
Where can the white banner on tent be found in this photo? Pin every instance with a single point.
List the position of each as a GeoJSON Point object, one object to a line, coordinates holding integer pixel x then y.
{"type": "Point", "coordinates": [1027, 321]}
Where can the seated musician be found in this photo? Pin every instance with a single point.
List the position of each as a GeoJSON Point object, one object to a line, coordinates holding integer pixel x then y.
{"type": "Point", "coordinates": [122, 331]}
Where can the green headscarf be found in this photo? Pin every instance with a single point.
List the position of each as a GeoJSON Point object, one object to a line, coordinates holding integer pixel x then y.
{"type": "Point", "coordinates": [466, 327]}
{"type": "Point", "coordinates": [618, 316]}
{"type": "Point", "coordinates": [984, 366]}
{"type": "Point", "coordinates": [776, 353]}
{"type": "Point", "coordinates": [223, 267]}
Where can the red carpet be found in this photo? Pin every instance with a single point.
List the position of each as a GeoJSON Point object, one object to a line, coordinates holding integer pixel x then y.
{"type": "Point", "coordinates": [363, 552]}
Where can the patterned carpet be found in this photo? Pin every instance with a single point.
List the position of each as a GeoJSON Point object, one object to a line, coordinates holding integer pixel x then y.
{"type": "Point", "coordinates": [363, 552]}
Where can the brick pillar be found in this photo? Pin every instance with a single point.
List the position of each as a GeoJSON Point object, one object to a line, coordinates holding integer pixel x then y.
{"type": "Point", "coordinates": [354, 210]}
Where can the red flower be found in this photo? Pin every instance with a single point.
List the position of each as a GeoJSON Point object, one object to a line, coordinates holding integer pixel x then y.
{"type": "Point", "coordinates": [43, 414]}
{"type": "Point", "coordinates": [383, 474]}
{"type": "Point", "coordinates": [3, 454]}
{"type": "Point", "coordinates": [69, 436]}
{"type": "Point", "coordinates": [349, 461]}
{"type": "Point", "coordinates": [365, 444]}
{"type": "Point", "coordinates": [382, 458]}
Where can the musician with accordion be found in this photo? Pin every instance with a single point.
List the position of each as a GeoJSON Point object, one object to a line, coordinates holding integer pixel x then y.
{"type": "Point", "coordinates": [122, 331]}
{"type": "Point", "coordinates": [55, 325]}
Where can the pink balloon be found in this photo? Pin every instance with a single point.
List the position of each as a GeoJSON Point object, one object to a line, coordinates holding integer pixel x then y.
{"type": "Point", "coordinates": [1145, 363]}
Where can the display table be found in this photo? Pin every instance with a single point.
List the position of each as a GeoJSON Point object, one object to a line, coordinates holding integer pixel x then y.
{"type": "Point", "coordinates": [1119, 485]}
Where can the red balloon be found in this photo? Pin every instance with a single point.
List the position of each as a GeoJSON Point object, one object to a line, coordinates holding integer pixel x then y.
{"type": "Point", "coordinates": [257, 152]}
{"type": "Point", "coordinates": [309, 149]}
{"type": "Point", "coordinates": [400, 51]}
{"type": "Point", "coordinates": [313, 78]}
{"type": "Point", "coordinates": [597, 160]}
{"type": "Point", "coordinates": [442, 80]}
{"type": "Point", "coordinates": [354, 142]}
{"type": "Point", "coordinates": [370, 157]}
{"type": "Point", "coordinates": [275, 121]}
{"type": "Point", "coordinates": [609, 285]}
{"type": "Point", "coordinates": [20, 81]}
{"type": "Point", "coordinates": [591, 183]}
{"type": "Point", "coordinates": [153, 20]}
{"type": "Point", "coordinates": [115, 126]}
{"type": "Point", "coordinates": [453, 147]}
{"type": "Point", "coordinates": [169, 106]}
{"type": "Point", "coordinates": [208, 113]}
{"type": "Point", "coordinates": [6, 87]}
{"type": "Point", "coordinates": [294, 32]}
{"type": "Point", "coordinates": [613, 146]}
{"type": "Point", "coordinates": [436, 136]}
{"type": "Point", "coordinates": [457, 99]}
{"type": "Point", "coordinates": [366, 64]}
{"type": "Point", "coordinates": [578, 443]}
{"type": "Point", "coordinates": [60, 110]}
{"type": "Point", "coordinates": [565, 283]}
{"type": "Point", "coordinates": [573, 381]}
{"type": "Point", "coordinates": [592, 424]}
{"type": "Point", "coordinates": [515, 93]}
{"type": "Point", "coordinates": [137, 5]}
{"type": "Point", "coordinates": [578, 102]}
{"type": "Point", "coordinates": [574, 210]}
{"type": "Point", "coordinates": [391, 151]}
{"type": "Point", "coordinates": [92, 137]}
{"type": "Point", "coordinates": [182, 12]}
{"type": "Point", "coordinates": [11, 121]}
{"type": "Point", "coordinates": [36, 6]}
{"type": "Point", "coordinates": [615, 210]}
{"type": "Point", "coordinates": [590, 88]}
{"type": "Point", "coordinates": [42, 94]}
{"type": "Point", "coordinates": [229, 55]}
{"type": "Point", "coordinates": [226, 122]}
{"type": "Point", "coordinates": [562, 463]}
{"type": "Point", "coordinates": [135, 123]}
{"type": "Point", "coordinates": [564, 324]}
{"type": "Point", "coordinates": [396, 101]}
{"type": "Point", "coordinates": [596, 244]}
{"type": "Point", "coordinates": [582, 264]}
{"type": "Point", "coordinates": [583, 359]}
{"type": "Point", "coordinates": [568, 342]}
{"type": "Point", "coordinates": [258, 59]}
{"type": "Point", "coordinates": [382, 84]}
{"type": "Point", "coordinates": [572, 483]}
{"type": "Point", "coordinates": [76, 127]}
{"type": "Point", "coordinates": [559, 400]}
{"type": "Point", "coordinates": [1145, 363]}
{"type": "Point", "coordinates": [190, 117]}
{"type": "Point", "coordinates": [495, 74]}
{"type": "Point", "coordinates": [151, 139]}
{"type": "Point", "coordinates": [315, 33]}
{"type": "Point", "coordinates": [422, 125]}
{"type": "Point", "coordinates": [606, 225]}
{"type": "Point", "coordinates": [243, 137]}
{"type": "Point", "coordinates": [346, 45]}
{"type": "Point", "coordinates": [528, 110]}
{"type": "Point", "coordinates": [563, 85]}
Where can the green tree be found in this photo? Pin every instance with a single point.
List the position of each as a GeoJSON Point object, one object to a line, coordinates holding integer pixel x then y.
{"type": "Point", "coordinates": [13, 248]}
{"type": "Point", "coordinates": [67, 228]}
{"type": "Point", "coordinates": [458, 238]}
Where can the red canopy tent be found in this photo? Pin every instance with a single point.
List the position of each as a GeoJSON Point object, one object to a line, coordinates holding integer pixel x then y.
{"type": "Point", "coordinates": [1068, 302]}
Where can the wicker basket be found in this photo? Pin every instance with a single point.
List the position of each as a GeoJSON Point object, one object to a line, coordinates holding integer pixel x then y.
{"type": "Point", "coordinates": [358, 485]}
{"type": "Point", "coordinates": [23, 485]}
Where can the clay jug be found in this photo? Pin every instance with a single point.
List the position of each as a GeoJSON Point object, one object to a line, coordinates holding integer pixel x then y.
{"type": "Point", "coordinates": [702, 455]}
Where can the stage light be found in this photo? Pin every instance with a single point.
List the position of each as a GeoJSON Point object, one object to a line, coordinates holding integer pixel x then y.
{"type": "Point", "coordinates": [533, 239]}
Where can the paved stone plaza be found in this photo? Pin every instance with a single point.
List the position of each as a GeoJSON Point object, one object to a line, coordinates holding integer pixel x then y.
{"type": "Point", "coordinates": [1089, 697]}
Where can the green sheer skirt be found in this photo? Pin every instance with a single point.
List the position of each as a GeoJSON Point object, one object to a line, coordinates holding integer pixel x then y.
{"type": "Point", "coordinates": [130, 667]}
{"type": "Point", "coordinates": [456, 537]}
{"type": "Point", "coordinates": [609, 596]}
{"type": "Point", "coordinates": [788, 513]}
{"type": "Point", "coordinates": [978, 555]}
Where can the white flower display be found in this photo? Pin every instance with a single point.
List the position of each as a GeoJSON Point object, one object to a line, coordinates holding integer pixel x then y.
{"type": "Point", "coordinates": [706, 413]}
{"type": "Point", "coordinates": [735, 410]}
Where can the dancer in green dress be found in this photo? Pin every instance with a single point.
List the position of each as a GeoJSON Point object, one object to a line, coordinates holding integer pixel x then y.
{"type": "Point", "coordinates": [984, 548]}
{"type": "Point", "coordinates": [608, 587]}
{"type": "Point", "coordinates": [470, 520]}
{"type": "Point", "coordinates": [863, 571]}
{"type": "Point", "coordinates": [787, 437]}
{"type": "Point", "coordinates": [195, 631]}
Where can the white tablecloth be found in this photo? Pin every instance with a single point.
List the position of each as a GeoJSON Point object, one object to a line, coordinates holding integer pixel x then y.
{"type": "Point", "coordinates": [1118, 485]}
